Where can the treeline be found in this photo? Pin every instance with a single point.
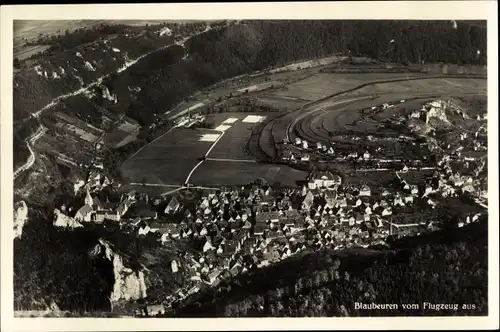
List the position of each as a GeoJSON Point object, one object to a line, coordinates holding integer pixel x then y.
{"type": "Point", "coordinates": [166, 80]}
{"type": "Point", "coordinates": [77, 37]}
{"type": "Point", "coordinates": [221, 54]}
{"type": "Point", "coordinates": [327, 283]}
{"type": "Point", "coordinates": [412, 41]}
{"type": "Point", "coordinates": [55, 264]}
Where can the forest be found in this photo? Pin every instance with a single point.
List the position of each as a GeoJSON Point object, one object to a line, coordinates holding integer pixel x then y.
{"type": "Point", "coordinates": [217, 55]}
{"type": "Point", "coordinates": [166, 79]}
{"type": "Point", "coordinates": [54, 264]}
{"type": "Point", "coordinates": [328, 283]}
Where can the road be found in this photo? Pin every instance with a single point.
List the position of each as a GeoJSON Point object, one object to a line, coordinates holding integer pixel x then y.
{"type": "Point", "coordinates": [232, 160]}
{"type": "Point", "coordinates": [205, 157]}
{"type": "Point", "coordinates": [31, 159]}
{"type": "Point", "coordinates": [98, 81]}
{"type": "Point", "coordinates": [320, 104]}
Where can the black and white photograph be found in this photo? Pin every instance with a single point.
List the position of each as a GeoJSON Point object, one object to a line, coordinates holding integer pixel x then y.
{"type": "Point", "coordinates": [250, 168]}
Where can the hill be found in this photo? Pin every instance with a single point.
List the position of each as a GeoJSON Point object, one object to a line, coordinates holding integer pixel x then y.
{"type": "Point", "coordinates": [103, 85]}
{"type": "Point", "coordinates": [444, 267]}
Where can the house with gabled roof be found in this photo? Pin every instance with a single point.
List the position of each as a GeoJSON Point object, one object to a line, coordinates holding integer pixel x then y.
{"type": "Point", "coordinates": [172, 206]}
{"type": "Point", "coordinates": [364, 191]}
{"type": "Point", "coordinates": [323, 179]}
{"type": "Point", "coordinates": [208, 245]}
{"type": "Point", "coordinates": [308, 201]}
{"type": "Point", "coordinates": [102, 215]}
{"type": "Point", "coordinates": [247, 225]}
{"type": "Point", "coordinates": [84, 213]}
{"type": "Point", "coordinates": [387, 211]}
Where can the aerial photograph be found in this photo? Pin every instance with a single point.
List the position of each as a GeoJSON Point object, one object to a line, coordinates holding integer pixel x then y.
{"type": "Point", "coordinates": [250, 168]}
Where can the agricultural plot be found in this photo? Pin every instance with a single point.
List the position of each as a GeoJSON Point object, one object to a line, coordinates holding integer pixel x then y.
{"type": "Point", "coordinates": [237, 128]}
{"type": "Point", "coordinates": [213, 173]}
{"type": "Point", "coordinates": [123, 134]}
{"type": "Point", "coordinates": [169, 159]}
{"type": "Point", "coordinates": [330, 116]}
{"type": "Point", "coordinates": [322, 85]}
{"type": "Point", "coordinates": [66, 145]}
{"type": "Point", "coordinates": [280, 102]}
{"type": "Point", "coordinates": [23, 52]}
{"type": "Point", "coordinates": [442, 86]}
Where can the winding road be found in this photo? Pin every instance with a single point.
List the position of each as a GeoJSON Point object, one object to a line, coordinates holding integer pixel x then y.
{"type": "Point", "coordinates": [332, 102]}
{"type": "Point", "coordinates": [31, 160]}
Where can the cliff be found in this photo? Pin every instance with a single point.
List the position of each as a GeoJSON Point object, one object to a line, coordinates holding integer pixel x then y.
{"type": "Point", "coordinates": [62, 220]}
{"type": "Point", "coordinates": [20, 218]}
{"type": "Point", "coordinates": [128, 284]}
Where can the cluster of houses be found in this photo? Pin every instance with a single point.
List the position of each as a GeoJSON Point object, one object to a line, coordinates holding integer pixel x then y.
{"type": "Point", "coordinates": [234, 230]}
{"type": "Point", "coordinates": [302, 151]}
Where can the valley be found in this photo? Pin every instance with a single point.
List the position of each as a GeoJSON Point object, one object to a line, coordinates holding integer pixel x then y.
{"type": "Point", "coordinates": [189, 161]}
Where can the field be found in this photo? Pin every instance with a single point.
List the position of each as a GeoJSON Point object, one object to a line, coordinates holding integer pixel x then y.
{"type": "Point", "coordinates": [237, 130]}
{"type": "Point", "coordinates": [169, 159]}
{"type": "Point", "coordinates": [441, 86]}
{"type": "Point", "coordinates": [31, 29]}
{"type": "Point", "coordinates": [123, 134]}
{"type": "Point", "coordinates": [233, 147]}
{"type": "Point", "coordinates": [22, 52]}
{"type": "Point", "coordinates": [338, 112]}
{"type": "Point", "coordinates": [280, 102]}
{"type": "Point", "coordinates": [323, 84]}
{"type": "Point", "coordinates": [239, 173]}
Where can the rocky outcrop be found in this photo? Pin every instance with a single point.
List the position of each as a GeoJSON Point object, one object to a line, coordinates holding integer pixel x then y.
{"type": "Point", "coordinates": [436, 110]}
{"type": "Point", "coordinates": [76, 186]}
{"type": "Point", "coordinates": [62, 220]}
{"type": "Point", "coordinates": [129, 284]}
{"type": "Point", "coordinates": [20, 218]}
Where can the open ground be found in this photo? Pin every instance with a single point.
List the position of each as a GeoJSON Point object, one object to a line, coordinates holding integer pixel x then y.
{"type": "Point", "coordinates": [320, 105]}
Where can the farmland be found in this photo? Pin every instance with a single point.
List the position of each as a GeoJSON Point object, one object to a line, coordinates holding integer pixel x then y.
{"type": "Point", "coordinates": [237, 130]}
{"type": "Point", "coordinates": [322, 85]}
{"type": "Point", "coordinates": [239, 173]}
{"type": "Point", "coordinates": [169, 159]}
{"type": "Point", "coordinates": [319, 107]}
{"type": "Point", "coordinates": [339, 115]}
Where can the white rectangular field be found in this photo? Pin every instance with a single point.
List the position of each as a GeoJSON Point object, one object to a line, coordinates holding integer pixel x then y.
{"type": "Point", "coordinates": [253, 119]}
{"type": "Point", "coordinates": [230, 120]}
{"type": "Point", "coordinates": [222, 128]}
{"type": "Point", "coordinates": [209, 137]}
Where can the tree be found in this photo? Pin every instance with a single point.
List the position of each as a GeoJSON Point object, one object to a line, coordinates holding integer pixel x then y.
{"type": "Point", "coordinates": [17, 63]}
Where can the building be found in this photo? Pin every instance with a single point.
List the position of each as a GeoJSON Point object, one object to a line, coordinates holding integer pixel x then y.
{"type": "Point", "coordinates": [364, 191]}
{"type": "Point", "coordinates": [84, 213]}
{"type": "Point", "coordinates": [308, 201]}
{"type": "Point", "coordinates": [323, 179]}
{"type": "Point", "coordinates": [102, 215]}
{"type": "Point", "coordinates": [172, 206]}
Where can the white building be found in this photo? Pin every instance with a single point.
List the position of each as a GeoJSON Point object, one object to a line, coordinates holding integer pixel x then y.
{"type": "Point", "coordinates": [364, 191]}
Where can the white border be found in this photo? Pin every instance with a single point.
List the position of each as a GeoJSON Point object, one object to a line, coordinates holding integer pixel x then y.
{"type": "Point", "coordinates": [311, 10]}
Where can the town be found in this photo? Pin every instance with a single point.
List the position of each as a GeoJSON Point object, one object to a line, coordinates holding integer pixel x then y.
{"type": "Point", "coordinates": [234, 230]}
{"type": "Point", "coordinates": [173, 169]}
